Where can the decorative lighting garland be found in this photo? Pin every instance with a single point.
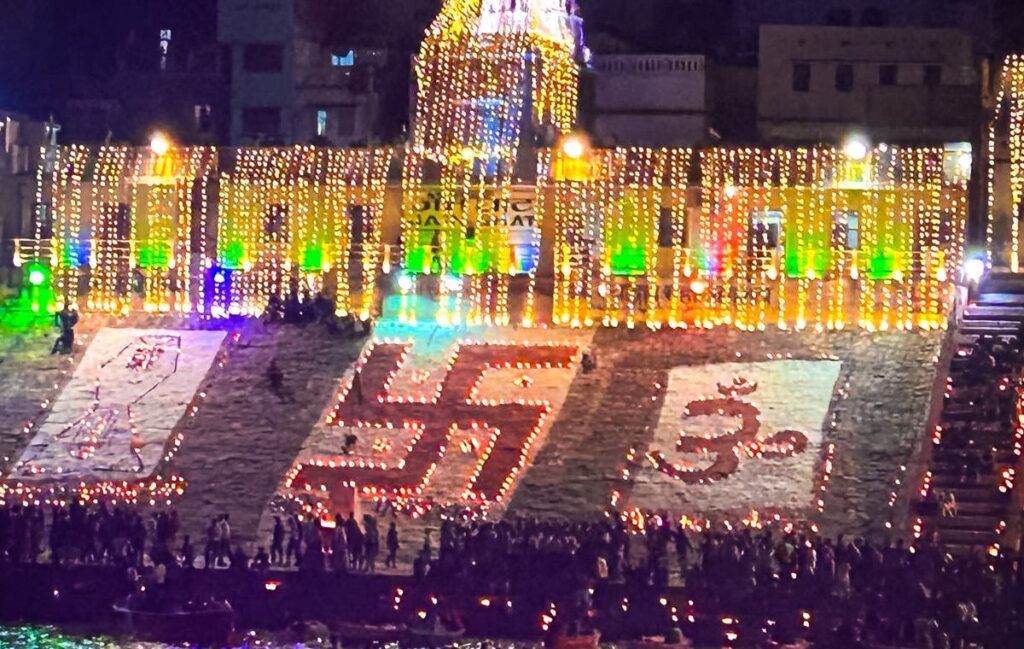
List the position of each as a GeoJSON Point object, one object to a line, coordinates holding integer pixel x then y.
{"type": "Point", "coordinates": [1010, 95]}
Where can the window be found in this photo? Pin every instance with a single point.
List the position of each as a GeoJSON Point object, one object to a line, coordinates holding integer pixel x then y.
{"type": "Point", "coordinates": [844, 77]}
{"type": "Point", "coordinates": [344, 60]}
{"type": "Point", "coordinates": [44, 219]}
{"type": "Point", "coordinates": [263, 58]}
{"type": "Point", "coordinates": [321, 123]}
{"type": "Point", "coordinates": [261, 121]}
{"type": "Point", "coordinates": [123, 222]}
{"type": "Point", "coordinates": [665, 228]}
{"type": "Point", "coordinates": [932, 75]}
{"type": "Point", "coordinates": [203, 117]}
{"type": "Point", "coordinates": [801, 77]}
{"type": "Point", "coordinates": [846, 230]}
{"type": "Point", "coordinates": [765, 231]}
{"type": "Point", "coordinates": [355, 215]}
{"type": "Point", "coordinates": [888, 75]}
{"type": "Point", "coordinates": [274, 221]}
{"type": "Point", "coordinates": [165, 47]}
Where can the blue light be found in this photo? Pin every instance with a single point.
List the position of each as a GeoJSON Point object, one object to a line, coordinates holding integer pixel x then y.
{"type": "Point", "coordinates": [344, 60]}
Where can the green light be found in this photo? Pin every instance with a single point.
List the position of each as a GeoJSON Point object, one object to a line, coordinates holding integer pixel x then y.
{"type": "Point", "coordinates": [36, 278]}
{"type": "Point", "coordinates": [628, 239]}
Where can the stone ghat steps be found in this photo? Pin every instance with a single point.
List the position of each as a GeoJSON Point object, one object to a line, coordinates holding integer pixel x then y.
{"type": "Point", "coordinates": [245, 438]}
{"type": "Point", "coordinates": [971, 420]}
{"type": "Point", "coordinates": [964, 522]}
{"type": "Point", "coordinates": [596, 415]}
{"type": "Point", "coordinates": [953, 478]}
{"type": "Point", "coordinates": [993, 509]}
{"type": "Point", "coordinates": [984, 492]}
{"type": "Point", "coordinates": [949, 457]}
{"type": "Point", "coordinates": [28, 373]}
{"type": "Point", "coordinates": [990, 327]}
{"type": "Point", "coordinates": [966, 540]}
{"type": "Point", "coordinates": [982, 312]}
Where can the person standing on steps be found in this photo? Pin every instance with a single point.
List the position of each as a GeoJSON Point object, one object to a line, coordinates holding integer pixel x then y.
{"type": "Point", "coordinates": [275, 377]}
{"type": "Point", "coordinates": [224, 532]}
{"type": "Point", "coordinates": [66, 319]}
{"type": "Point", "coordinates": [391, 561]}
{"type": "Point", "coordinates": [277, 542]}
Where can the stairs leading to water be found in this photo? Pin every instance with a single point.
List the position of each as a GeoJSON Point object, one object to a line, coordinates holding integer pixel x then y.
{"type": "Point", "coordinates": [978, 451]}
{"type": "Point", "coordinates": [244, 438]}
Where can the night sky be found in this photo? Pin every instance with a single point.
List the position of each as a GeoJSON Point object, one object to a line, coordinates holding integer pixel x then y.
{"type": "Point", "coordinates": [44, 43]}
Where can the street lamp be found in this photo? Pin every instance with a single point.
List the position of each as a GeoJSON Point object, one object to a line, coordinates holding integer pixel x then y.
{"type": "Point", "coordinates": [575, 145]}
{"type": "Point", "coordinates": [159, 143]}
{"type": "Point", "coordinates": [856, 147]}
{"type": "Point", "coordinates": [974, 269]}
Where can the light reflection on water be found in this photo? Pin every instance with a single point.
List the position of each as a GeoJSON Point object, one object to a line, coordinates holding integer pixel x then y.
{"type": "Point", "coordinates": [38, 637]}
{"type": "Point", "coordinates": [44, 637]}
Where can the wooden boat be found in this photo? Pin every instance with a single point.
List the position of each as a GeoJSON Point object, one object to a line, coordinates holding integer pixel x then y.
{"type": "Point", "coordinates": [212, 625]}
{"type": "Point", "coordinates": [368, 632]}
{"type": "Point", "coordinates": [434, 636]}
{"type": "Point", "coordinates": [657, 642]}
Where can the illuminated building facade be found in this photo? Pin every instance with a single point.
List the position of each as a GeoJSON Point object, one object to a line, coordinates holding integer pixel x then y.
{"type": "Point", "coordinates": [501, 213]}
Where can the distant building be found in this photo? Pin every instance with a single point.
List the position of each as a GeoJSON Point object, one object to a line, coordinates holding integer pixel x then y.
{"type": "Point", "coordinates": [166, 75]}
{"type": "Point", "coordinates": [21, 142]}
{"type": "Point", "coordinates": [748, 16]}
{"type": "Point", "coordinates": [650, 100]}
{"type": "Point", "coordinates": [897, 84]}
{"type": "Point", "coordinates": [289, 83]}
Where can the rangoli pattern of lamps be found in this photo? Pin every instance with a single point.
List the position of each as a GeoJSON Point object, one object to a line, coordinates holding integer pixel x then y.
{"type": "Point", "coordinates": [476, 73]}
{"type": "Point", "coordinates": [728, 449]}
{"type": "Point", "coordinates": [429, 424]}
{"type": "Point", "coordinates": [52, 489]}
{"type": "Point", "coordinates": [715, 458]}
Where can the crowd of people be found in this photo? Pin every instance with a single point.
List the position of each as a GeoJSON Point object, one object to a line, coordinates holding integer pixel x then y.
{"type": "Point", "coordinates": [129, 536]}
{"type": "Point", "coordinates": [307, 308]}
{"type": "Point", "coordinates": [77, 534]}
{"type": "Point", "coordinates": [858, 593]}
{"type": "Point", "coordinates": [341, 545]}
{"type": "Point", "coordinates": [841, 592]}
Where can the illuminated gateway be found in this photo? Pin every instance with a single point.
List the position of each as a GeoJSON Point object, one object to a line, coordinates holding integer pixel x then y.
{"type": "Point", "coordinates": [493, 77]}
{"type": "Point", "coordinates": [483, 67]}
